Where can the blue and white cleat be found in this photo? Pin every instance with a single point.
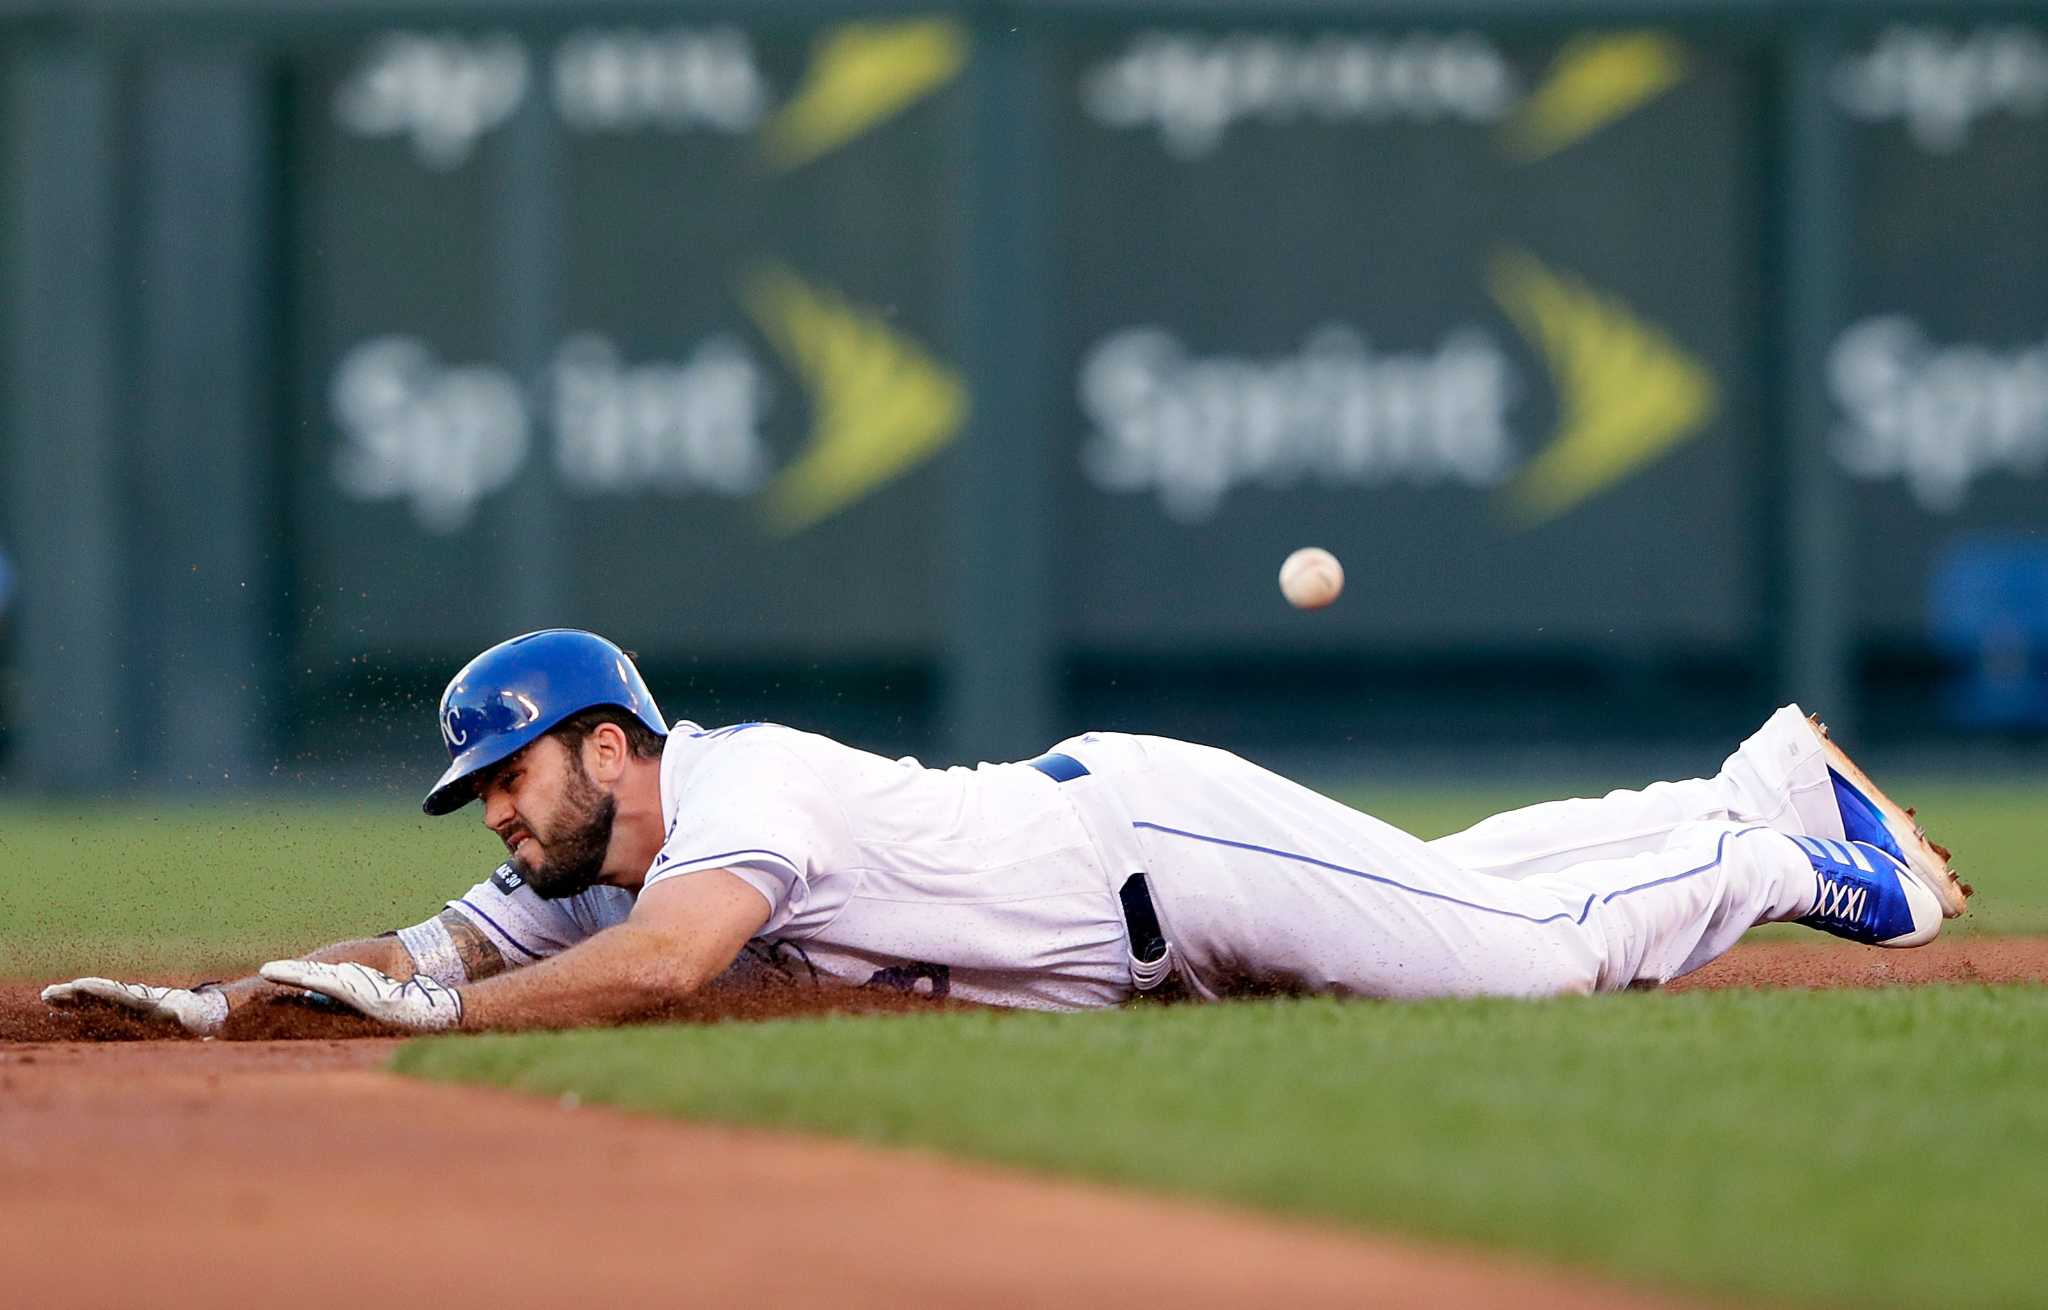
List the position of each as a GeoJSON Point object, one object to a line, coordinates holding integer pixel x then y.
{"type": "Point", "coordinates": [1868, 815]}
{"type": "Point", "coordinates": [1869, 895]}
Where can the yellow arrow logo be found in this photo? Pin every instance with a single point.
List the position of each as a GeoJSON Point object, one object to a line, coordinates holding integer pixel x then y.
{"type": "Point", "coordinates": [860, 74]}
{"type": "Point", "coordinates": [1593, 81]}
{"type": "Point", "coordinates": [1626, 394]}
{"type": "Point", "coordinates": [880, 405]}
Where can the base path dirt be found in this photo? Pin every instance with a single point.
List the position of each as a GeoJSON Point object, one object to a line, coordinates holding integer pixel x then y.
{"type": "Point", "coordinates": [184, 1173]}
{"type": "Point", "coordinates": [294, 1173]}
{"type": "Point", "coordinates": [1807, 963]}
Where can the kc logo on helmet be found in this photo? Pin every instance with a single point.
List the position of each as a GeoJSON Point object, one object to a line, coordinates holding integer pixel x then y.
{"type": "Point", "coordinates": [452, 729]}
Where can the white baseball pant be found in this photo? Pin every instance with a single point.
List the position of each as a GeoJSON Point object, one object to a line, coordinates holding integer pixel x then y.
{"type": "Point", "coordinates": [1263, 884]}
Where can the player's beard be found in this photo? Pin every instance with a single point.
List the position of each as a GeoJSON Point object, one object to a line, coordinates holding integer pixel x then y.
{"type": "Point", "coordinates": [576, 843]}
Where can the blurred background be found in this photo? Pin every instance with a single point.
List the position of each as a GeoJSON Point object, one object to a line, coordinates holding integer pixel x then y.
{"type": "Point", "coordinates": [950, 379]}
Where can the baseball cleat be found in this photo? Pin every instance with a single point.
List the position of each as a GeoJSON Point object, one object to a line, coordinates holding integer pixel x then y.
{"type": "Point", "coordinates": [1868, 815]}
{"type": "Point", "coordinates": [1867, 894]}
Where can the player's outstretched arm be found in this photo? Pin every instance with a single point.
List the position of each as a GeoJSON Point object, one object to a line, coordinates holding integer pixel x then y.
{"type": "Point", "coordinates": [683, 932]}
{"type": "Point", "coordinates": [451, 942]}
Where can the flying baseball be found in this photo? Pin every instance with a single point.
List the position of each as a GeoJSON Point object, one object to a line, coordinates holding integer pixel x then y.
{"type": "Point", "coordinates": [1311, 578]}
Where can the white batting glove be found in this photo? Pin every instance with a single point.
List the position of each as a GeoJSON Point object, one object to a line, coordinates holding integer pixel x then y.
{"type": "Point", "coordinates": [422, 1004]}
{"type": "Point", "coordinates": [200, 1013]}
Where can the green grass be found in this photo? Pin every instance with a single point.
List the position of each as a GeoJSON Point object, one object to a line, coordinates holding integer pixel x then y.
{"type": "Point", "coordinates": [1879, 1149]}
{"type": "Point", "coordinates": [168, 887]}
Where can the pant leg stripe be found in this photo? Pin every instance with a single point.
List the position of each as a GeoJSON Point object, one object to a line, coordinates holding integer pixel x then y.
{"type": "Point", "coordinates": [1719, 848]}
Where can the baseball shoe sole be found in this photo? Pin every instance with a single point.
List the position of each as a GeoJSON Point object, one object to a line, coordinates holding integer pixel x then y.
{"type": "Point", "coordinates": [1925, 860]}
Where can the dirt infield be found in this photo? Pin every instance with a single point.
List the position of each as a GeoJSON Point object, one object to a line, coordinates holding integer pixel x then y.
{"type": "Point", "coordinates": [215, 1173]}
{"type": "Point", "coordinates": [24, 1018]}
{"type": "Point", "coordinates": [1841, 964]}
{"type": "Point", "coordinates": [186, 1173]}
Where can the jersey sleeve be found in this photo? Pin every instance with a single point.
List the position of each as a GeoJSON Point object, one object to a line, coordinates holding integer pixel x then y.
{"type": "Point", "coordinates": [757, 810]}
{"type": "Point", "coordinates": [524, 926]}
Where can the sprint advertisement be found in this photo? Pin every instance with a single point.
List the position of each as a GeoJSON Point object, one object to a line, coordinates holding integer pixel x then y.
{"type": "Point", "coordinates": [719, 422]}
{"type": "Point", "coordinates": [1939, 379]}
{"type": "Point", "coordinates": [1477, 314]}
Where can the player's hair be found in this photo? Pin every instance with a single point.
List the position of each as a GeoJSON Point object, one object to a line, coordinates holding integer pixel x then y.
{"type": "Point", "coordinates": [645, 742]}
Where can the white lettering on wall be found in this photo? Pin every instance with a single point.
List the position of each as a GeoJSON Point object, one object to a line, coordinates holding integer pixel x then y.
{"type": "Point", "coordinates": [444, 93]}
{"type": "Point", "coordinates": [674, 79]}
{"type": "Point", "coordinates": [1335, 413]}
{"type": "Point", "coordinates": [442, 437]}
{"type": "Point", "coordinates": [1194, 86]}
{"type": "Point", "coordinates": [1940, 83]}
{"type": "Point", "coordinates": [667, 427]}
{"type": "Point", "coordinates": [414, 429]}
{"type": "Point", "coordinates": [440, 92]}
{"type": "Point", "coordinates": [1937, 417]}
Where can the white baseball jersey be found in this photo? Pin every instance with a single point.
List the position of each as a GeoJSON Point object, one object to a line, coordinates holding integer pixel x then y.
{"type": "Point", "coordinates": [999, 884]}
{"type": "Point", "coordinates": [975, 883]}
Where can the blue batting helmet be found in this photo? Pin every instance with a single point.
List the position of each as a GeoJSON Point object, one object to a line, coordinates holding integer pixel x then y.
{"type": "Point", "coordinates": [515, 691]}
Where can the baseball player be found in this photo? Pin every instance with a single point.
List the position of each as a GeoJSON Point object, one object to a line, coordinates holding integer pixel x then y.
{"type": "Point", "coordinates": [647, 861]}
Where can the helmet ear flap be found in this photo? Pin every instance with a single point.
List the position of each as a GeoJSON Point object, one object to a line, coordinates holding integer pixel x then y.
{"type": "Point", "coordinates": [518, 690]}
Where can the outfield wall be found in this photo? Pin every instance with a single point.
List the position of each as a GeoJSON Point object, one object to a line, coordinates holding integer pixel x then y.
{"type": "Point", "coordinates": [962, 374]}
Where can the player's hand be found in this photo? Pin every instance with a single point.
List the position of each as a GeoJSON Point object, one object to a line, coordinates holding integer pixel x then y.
{"type": "Point", "coordinates": [422, 1004]}
{"type": "Point", "coordinates": [201, 1013]}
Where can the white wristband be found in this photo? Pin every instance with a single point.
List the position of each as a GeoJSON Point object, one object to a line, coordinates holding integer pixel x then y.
{"type": "Point", "coordinates": [433, 952]}
{"type": "Point", "coordinates": [214, 1011]}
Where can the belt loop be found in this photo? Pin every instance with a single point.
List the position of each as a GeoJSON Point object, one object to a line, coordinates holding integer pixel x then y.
{"type": "Point", "coordinates": [1109, 828]}
{"type": "Point", "coordinates": [1152, 957]}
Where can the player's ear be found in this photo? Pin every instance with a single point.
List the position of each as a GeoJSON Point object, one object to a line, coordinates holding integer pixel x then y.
{"type": "Point", "coordinates": [608, 749]}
